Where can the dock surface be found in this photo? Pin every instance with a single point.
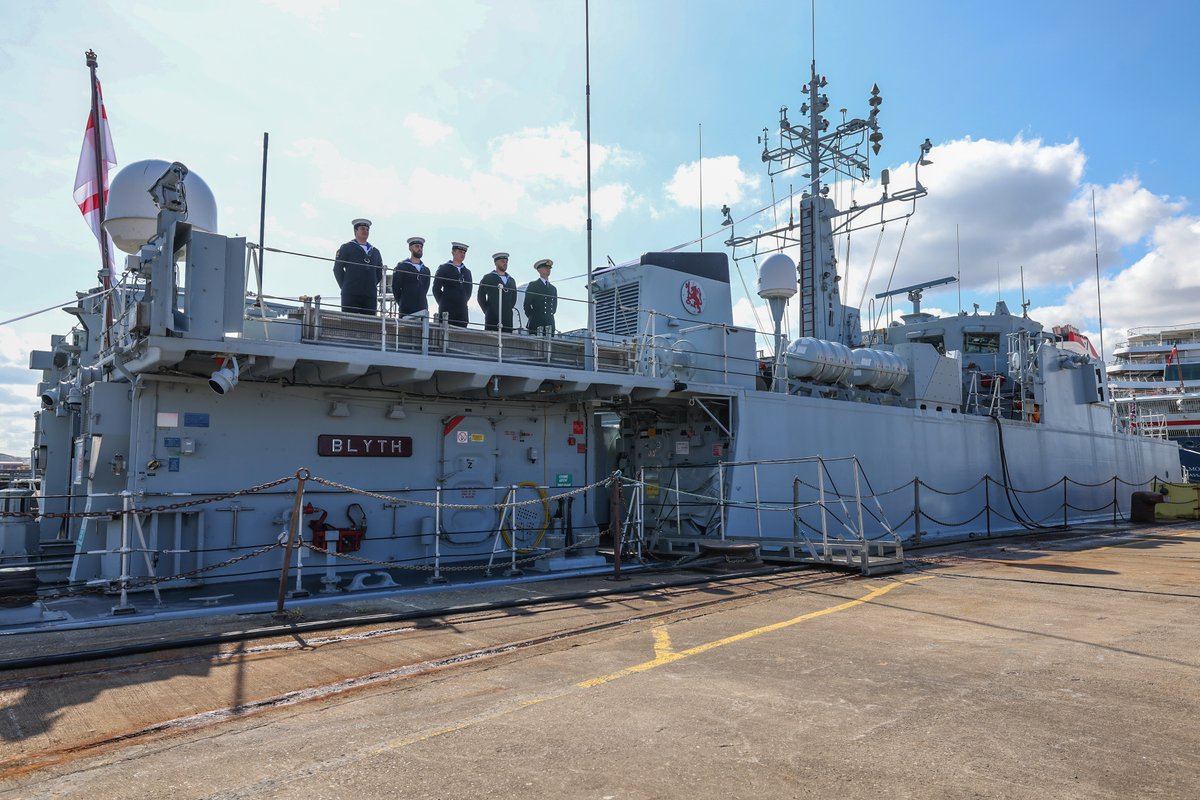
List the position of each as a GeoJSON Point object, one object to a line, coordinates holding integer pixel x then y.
{"type": "Point", "coordinates": [1062, 667]}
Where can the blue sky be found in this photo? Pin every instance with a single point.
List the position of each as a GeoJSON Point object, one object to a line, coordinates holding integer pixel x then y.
{"type": "Point", "coordinates": [465, 120]}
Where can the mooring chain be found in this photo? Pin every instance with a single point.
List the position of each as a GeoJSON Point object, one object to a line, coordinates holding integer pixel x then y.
{"type": "Point", "coordinates": [387, 498]}
{"type": "Point", "coordinates": [207, 568]}
{"type": "Point", "coordinates": [117, 512]}
{"type": "Point", "coordinates": [111, 586]}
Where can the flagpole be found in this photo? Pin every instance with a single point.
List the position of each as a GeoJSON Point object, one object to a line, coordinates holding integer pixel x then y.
{"type": "Point", "coordinates": [101, 200]}
{"type": "Point", "coordinates": [587, 91]}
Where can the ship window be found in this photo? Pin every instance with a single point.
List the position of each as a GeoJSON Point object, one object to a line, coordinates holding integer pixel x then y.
{"type": "Point", "coordinates": [981, 342]}
{"type": "Point", "coordinates": [938, 342]}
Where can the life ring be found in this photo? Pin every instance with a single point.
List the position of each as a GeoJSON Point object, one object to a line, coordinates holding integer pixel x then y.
{"type": "Point", "coordinates": [526, 519]}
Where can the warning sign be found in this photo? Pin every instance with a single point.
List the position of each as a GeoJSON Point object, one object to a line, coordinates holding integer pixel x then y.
{"type": "Point", "coordinates": [476, 437]}
{"type": "Point", "coordinates": [462, 437]}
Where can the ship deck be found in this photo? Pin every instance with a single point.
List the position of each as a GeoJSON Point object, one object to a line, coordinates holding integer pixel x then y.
{"type": "Point", "coordinates": [1061, 666]}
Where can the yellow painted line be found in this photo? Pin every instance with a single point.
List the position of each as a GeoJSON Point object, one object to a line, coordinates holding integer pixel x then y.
{"type": "Point", "coordinates": [667, 657]}
{"type": "Point", "coordinates": [662, 642]}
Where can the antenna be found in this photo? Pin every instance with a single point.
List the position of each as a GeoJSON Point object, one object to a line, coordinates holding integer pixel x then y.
{"type": "Point", "coordinates": [1024, 302]}
{"type": "Point", "coordinates": [700, 166]}
{"type": "Point", "coordinates": [1099, 306]}
{"type": "Point", "coordinates": [958, 261]}
{"type": "Point", "coordinates": [587, 90]}
{"type": "Point", "coordinates": [813, 7]}
{"type": "Point", "coordinates": [915, 291]}
{"type": "Point", "coordinates": [262, 221]}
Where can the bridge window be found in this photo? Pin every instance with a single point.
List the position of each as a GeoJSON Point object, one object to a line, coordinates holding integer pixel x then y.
{"type": "Point", "coordinates": [981, 343]}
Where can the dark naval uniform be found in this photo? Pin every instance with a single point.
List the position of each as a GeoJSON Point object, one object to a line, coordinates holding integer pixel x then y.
{"type": "Point", "coordinates": [452, 290]}
{"type": "Point", "coordinates": [496, 297]}
{"type": "Point", "coordinates": [541, 301]}
{"type": "Point", "coordinates": [358, 273]}
{"type": "Point", "coordinates": [410, 285]}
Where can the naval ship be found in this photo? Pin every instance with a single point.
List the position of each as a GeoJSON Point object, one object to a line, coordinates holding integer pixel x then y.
{"type": "Point", "coordinates": [194, 433]}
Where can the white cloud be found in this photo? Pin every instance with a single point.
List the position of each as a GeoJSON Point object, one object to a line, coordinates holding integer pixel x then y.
{"type": "Point", "coordinates": [548, 155]}
{"type": "Point", "coordinates": [607, 203]}
{"type": "Point", "coordinates": [533, 165]}
{"type": "Point", "coordinates": [724, 182]}
{"type": "Point", "coordinates": [1014, 204]}
{"type": "Point", "coordinates": [426, 131]}
{"type": "Point", "coordinates": [1161, 288]}
{"type": "Point", "coordinates": [479, 193]}
{"type": "Point", "coordinates": [311, 11]}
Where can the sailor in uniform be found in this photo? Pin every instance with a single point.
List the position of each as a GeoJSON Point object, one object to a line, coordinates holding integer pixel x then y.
{"type": "Point", "coordinates": [410, 281]}
{"type": "Point", "coordinates": [452, 285]}
{"type": "Point", "coordinates": [358, 269]}
{"type": "Point", "coordinates": [541, 299]}
{"type": "Point", "coordinates": [497, 295]}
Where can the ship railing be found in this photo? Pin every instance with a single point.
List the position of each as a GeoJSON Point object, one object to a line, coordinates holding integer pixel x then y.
{"type": "Point", "coordinates": [687, 506]}
{"type": "Point", "coordinates": [1167, 335]}
{"type": "Point", "coordinates": [831, 527]}
{"type": "Point", "coordinates": [429, 335]}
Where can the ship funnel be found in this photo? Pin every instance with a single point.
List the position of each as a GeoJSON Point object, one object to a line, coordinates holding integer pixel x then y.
{"type": "Point", "coordinates": [131, 217]}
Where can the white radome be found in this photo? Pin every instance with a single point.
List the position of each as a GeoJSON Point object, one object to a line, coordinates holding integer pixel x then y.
{"type": "Point", "coordinates": [131, 217]}
{"type": "Point", "coordinates": [777, 277]}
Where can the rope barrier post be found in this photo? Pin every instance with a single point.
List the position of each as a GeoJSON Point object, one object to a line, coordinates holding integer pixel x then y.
{"type": "Point", "coordinates": [987, 502]}
{"type": "Point", "coordinates": [614, 527]}
{"type": "Point", "coordinates": [917, 511]}
{"type": "Point", "coordinates": [1114, 500]}
{"type": "Point", "coordinates": [1065, 506]}
{"type": "Point", "coordinates": [302, 475]}
{"type": "Point", "coordinates": [795, 508]}
{"type": "Point", "coordinates": [437, 577]}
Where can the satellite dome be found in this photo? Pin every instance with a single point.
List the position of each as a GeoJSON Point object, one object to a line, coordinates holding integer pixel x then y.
{"type": "Point", "coordinates": [777, 277]}
{"type": "Point", "coordinates": [131, 217]}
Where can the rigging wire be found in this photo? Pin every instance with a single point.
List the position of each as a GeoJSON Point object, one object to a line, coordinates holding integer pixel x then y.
{"type": "Point", "coordinates": [891, 277]}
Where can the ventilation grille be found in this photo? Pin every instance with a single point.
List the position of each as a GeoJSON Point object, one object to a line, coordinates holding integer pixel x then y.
{"type": "Point", "coordinates": [617, 309]}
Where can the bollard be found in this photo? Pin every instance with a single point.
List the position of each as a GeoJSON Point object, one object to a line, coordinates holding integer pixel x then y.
{"type": "Point", "coordinates": [1141, 505]}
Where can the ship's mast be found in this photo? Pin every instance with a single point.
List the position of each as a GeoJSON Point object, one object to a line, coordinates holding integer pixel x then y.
{"type": "Point", "coordinates": [821, 150]}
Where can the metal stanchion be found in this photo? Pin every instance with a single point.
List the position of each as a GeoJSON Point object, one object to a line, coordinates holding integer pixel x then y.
{"type": "Point", "coordinates": [437, 577]}
{"type": "Point", "coordinates": [302, 475]}
{"type": "Point", "coordinates": [615, 528]}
